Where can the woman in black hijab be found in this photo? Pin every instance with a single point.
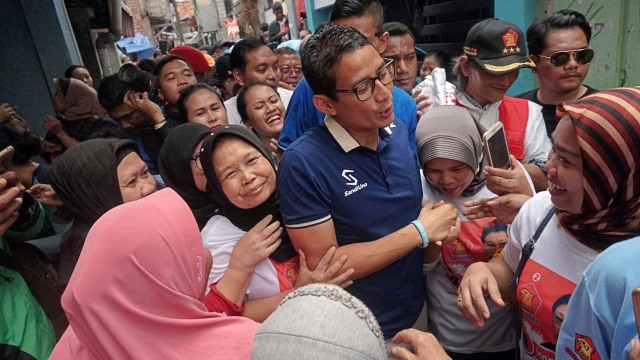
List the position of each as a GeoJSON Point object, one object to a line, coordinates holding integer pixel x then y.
{"type": "Point", "coordinates": [91, 178]}
{"type": "Point", "coordinates": [181, 169]}
{"type": "Point", "coordinates": [241, 180]}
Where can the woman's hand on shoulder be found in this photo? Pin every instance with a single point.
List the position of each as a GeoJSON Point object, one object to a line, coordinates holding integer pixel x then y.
{"type": "Point", "coordinates": [326, 272]}
{"type": "Point", "coordinates": [257, 244]}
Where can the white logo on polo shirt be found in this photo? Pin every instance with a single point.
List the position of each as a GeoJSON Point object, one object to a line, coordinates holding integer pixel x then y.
{"type": "Point", "coordinates": [352, 181]}
{"type": "Point", "coordinates": [347, 174]}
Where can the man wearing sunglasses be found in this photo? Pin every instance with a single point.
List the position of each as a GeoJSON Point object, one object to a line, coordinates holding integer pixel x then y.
{"type": "Point", "coordinates": [494, 52]}
{"type": "Point", "coordinates": [559, 45]}
{"type": "Point", "coordinates": [353, 183]}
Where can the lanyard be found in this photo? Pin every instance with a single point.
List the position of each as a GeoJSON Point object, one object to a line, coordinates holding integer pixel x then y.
{"type": "Point", "coordinates": [527, 249]}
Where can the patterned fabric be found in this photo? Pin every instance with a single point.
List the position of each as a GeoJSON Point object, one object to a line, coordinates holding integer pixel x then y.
{"type": "Point", "coordinates": [336, 325]}
{"type": "Point", "coordinates": [607, 125]}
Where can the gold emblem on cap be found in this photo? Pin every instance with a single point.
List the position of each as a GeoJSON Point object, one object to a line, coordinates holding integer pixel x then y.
{"type": "Point", "coordinates": [470, 51]}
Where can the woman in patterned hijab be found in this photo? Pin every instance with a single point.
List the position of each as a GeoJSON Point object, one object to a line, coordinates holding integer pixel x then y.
{"type": "Point", "coordinates": [593, 201]}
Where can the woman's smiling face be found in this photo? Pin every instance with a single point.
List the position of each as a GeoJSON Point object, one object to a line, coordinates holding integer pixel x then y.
{"type": "Point", "coordinates": [246, 176]}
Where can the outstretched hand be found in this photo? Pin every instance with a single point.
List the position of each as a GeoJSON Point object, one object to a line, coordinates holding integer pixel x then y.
{"type": "Point", "coordinates": [504, 208]}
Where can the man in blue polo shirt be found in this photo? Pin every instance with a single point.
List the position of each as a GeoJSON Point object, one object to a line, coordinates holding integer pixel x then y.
{"type": "Point", "coordinates": [353, 182]}
{"type": "Point", "coordinates": [366, 17]}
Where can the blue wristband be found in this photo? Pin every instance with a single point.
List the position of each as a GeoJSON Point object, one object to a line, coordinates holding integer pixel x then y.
{"type": "Point", "coordinates": [423, 234]}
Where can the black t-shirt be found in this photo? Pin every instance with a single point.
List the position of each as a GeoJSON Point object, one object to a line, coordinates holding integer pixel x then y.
{"type": "Point", "coordinates": [549, 110]}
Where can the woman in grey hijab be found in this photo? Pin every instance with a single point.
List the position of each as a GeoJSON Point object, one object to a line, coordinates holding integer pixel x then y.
{"type": "Point", "coordinates": [451, 156]}
{"type": "Point", "coordinates": [319, 321]}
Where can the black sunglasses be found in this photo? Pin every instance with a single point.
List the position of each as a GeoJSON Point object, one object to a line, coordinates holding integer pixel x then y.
{"type": "Point", "coordinates": [560, 58]}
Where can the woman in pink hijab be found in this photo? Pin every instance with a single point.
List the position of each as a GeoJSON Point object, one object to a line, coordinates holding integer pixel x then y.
{"type": "Point", "coordinates": [138, 287]}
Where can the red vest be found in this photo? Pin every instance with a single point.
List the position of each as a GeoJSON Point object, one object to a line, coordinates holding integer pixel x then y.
{"type": "Point", "coordinates": [514, 114]}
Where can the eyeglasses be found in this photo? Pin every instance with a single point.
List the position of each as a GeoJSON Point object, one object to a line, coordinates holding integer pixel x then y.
{"type": "Point", "coordinates": [197, 160]}
{"type": "Point", "coordinates": [560, 58]}
{"type": "Point", "coordinates": [364, 90]}
{"type": "Point", "coordinates": [286, 71]}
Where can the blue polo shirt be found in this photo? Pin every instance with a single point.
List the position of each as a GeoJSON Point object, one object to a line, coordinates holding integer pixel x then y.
{"type": "Point", "coordinates": [368, 194]}
{"type": "Point", "coordinates": [302, 115]}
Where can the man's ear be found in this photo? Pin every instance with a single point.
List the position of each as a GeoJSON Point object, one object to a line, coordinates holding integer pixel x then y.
{"type": "Point", "coordinates": [384, 41]}
{"type": "Point", "coordinates": [160, 94]}
{"type": "Point", "coordinates": [536, 60]}
{"type": "Point", "coordinates": [325, 104]}
{"type": "Point", "coordinates": [464, 66]}
{"type": "Point", "coordinates": [237, 74]}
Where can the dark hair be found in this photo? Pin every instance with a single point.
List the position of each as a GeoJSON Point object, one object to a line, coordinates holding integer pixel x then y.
{"type": "Point", "coordinates": [491, 230]}
{"type": "Point", "coordinates": [241, 102]}
{"type": "Point", "coordinates": [285, 50]}
{"type": "Point", "coordinates": [562, 300]}
{"type": "Point", "coordinates": [322, 53]}
{"type": "Point", "coordinates": [241, 48]}
{"type": "Point", "coordinates": [111, 92]}
{"type": "Point", "coordinates": [208, 48]}
{"type": "Point", "coordinates": [107, 128]}
{"type": "Point", "coordinates": [343, 9]}
{"type": "Point", "coordinates": [443, 58]}
{"type": "Point", "coordinates": [186, 93]}
{"type": "Point", "coordinates": [71, 69]}
{"type": "Point", "coordinates": [398, 29]}
{"type": "Point", "coordinates": [276, 6]}
{"type": "Point", "coordinates": [147, 65]}
{"type": "Point", "coordinates": [264, 27]}
{"type": "Point", "coordinates": [165, 60]}
{"type": "Point", "coordinates": [561, 19]}
{"type": "Point", "coordinates": [25, 146]}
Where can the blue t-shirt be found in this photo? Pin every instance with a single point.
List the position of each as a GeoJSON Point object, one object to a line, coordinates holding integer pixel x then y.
{"type": "Point", "coordinates": [368, 195]}
{"type": "Point", "coordinates": [599, 319]}
{"type": "Point", "coordinates": [302, 115]}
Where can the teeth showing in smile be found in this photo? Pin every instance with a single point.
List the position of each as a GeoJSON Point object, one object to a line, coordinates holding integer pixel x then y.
{"type": "Point", "coordinates": [555, 187]}
{"type": "Point", "coordinates": [273, 118]}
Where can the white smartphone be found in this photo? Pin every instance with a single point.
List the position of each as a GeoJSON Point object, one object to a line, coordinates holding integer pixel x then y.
{"type": "Point", "coordinates": [495, 146]}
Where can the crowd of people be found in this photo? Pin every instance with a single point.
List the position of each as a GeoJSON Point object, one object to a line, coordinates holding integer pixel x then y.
{"type": "Point", "coordinates": [329, 200]}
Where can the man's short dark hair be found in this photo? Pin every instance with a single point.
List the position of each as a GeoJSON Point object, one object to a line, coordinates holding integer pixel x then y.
{"type": "Point", "coordinates": [276, 6]}
{"type": "Point", "coordinates": [165, 60]}
{"type": "Point", "coordinates": [322, 53]}
{"type": "Point", "coordinates": [398, 29]}
{"type": "Point", "coordinates": [241, 48]}
{"type": "Point", "coordinates": [559, 20]}
{"type": "Point", "coordinates": [111, 92]}
{"type": "Point", "coordinates": [241, 102]}
{"type": "Point", "coordinates": [343, 9]}
{"type": "Point", "coordinates": [187, 92]}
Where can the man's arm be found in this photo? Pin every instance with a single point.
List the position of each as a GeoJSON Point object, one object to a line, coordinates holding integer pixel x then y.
{"type": "Point", "coordinates": [441, 224]}
{"type": "Point", "coordinates": [274, 32]}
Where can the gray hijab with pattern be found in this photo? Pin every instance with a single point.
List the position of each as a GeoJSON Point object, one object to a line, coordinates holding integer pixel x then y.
{"type": "Point", "coordinates": [449, 132]}
{"type": "Point", "coordinates": [320, 321]}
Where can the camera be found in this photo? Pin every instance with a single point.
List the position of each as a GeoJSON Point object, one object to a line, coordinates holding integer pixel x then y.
{"type": "Point", "coordinates": [139, 80]}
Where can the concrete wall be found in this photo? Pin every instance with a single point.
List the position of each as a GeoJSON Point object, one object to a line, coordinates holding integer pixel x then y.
{"type": "Point", "coordinates": [615, 37]}
{"type": "Point", "coordinates": [34, 51]}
